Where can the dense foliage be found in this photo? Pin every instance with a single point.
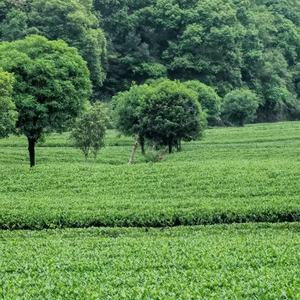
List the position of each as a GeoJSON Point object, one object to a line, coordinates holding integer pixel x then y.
{"type": "Point", "coordinates": [8, 114]}
{"type": "Point", "coordinates": [51, 84]}
{"type": "Point", "coordinates": [239, 107]}
{"type": "Point", "coordinates": [226, 44]}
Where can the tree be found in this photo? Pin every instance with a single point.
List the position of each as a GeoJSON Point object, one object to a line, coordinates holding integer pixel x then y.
{"type": "Point", "coordinates": [51, 85]}
{"type": "Point", "coordinates": [8, 114]}
{"type": "Point", "coordinates": [162, 111]}
{"type": "Point", "coordinates": [209, 100]}
{"type": "Point", "coordinates": [90, 129]}
{"type": "Point", "coordinates": [171, 113]}
{"type": "Point", "coordinates": [239, 107]}
{"type": "Point", "coordinates": [73, 22]}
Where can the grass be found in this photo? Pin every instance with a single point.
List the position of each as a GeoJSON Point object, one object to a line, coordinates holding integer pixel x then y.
{"type": "Point", "coordinates": [234, 175]}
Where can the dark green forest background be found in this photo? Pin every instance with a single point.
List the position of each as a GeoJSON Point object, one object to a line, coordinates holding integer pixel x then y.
{"type": "Point", "coordinates": [226, 44]}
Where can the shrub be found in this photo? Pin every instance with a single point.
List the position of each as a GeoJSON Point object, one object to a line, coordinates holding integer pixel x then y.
{"type": "Point", "coordinates": [239, 107]}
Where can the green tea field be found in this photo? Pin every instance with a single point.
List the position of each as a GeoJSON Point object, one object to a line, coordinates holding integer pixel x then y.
{"type": "Point", "coordinates": [249, 174]}
{"type": "Point", "coordinates": [213, 262]}
{"type": "Point", "coordinates": [218, 220]}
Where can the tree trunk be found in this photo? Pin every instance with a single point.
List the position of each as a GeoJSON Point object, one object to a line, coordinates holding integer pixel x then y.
{"type": "Point", "coordinates": [86, 157]}
{"type": "Point", "coordinates": [31, 144]}
{"type": "Point", "coordinates": [170, 146]}
{"type": "Point", "coordinates": [142, 143]}
{"type": "Point", "coordinates": [136, 144]}
{"type": "Point", "coordinates": [178, 145]}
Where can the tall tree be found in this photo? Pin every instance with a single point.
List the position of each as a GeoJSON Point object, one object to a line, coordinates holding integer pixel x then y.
{"type": "Point", "coordinates": [73, 22]}
{"type": "Point", "coordinates": [126, 108]}
{"type": "Point", "coordinates": [51, 85]}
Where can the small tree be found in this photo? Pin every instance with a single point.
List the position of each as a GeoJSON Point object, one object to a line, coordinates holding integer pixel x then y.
{"type": "Point", "coordinates": [239, 107]}
{"type": "Point", "coordinates": [8, 114]}
{"type": "Point", "coordinates": [164, 112]}
{"type": "Point", "coordinates": [90, 129]}
{"type": "Point", "coordinates": [171, 113]}
{"type": "Point", "coordinates": [51, 85]}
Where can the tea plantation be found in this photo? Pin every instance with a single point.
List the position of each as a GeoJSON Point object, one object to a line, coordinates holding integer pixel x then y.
{"type": "Point", "coordinates": [250, 174]}
{"type": "Point", "coordinates": [213, 262]}
{"type": "Point", "coordinates": [78, 242]}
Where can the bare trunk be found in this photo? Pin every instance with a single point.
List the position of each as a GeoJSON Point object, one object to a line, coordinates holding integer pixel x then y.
{"type": "Point", "coordinates": [31, 144]}
{"type": "Point", "coordinates": [86, 157]}
{"type": "Point", "coordinates": [136, 144]}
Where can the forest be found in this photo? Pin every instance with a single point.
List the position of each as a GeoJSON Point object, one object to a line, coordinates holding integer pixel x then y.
{"type": "Point", "coordinates": [224, 44]}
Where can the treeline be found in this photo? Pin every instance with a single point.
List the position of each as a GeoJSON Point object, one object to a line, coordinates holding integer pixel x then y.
{"type": "Point", "coordinates": [225, 44]}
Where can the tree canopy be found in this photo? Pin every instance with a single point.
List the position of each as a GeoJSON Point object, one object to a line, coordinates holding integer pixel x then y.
{"type": "Point", "coordinates": [51, 84]}
{"type": "Point", "coordinates": [70, 20]}
{"type": "Point", "coordinates": [171, 113]}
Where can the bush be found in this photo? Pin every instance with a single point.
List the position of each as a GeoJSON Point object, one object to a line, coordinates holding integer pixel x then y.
{"type": "Point", "coordinates": [239, 107]}
{"type": "Point", "coordinates": [155, 156]}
